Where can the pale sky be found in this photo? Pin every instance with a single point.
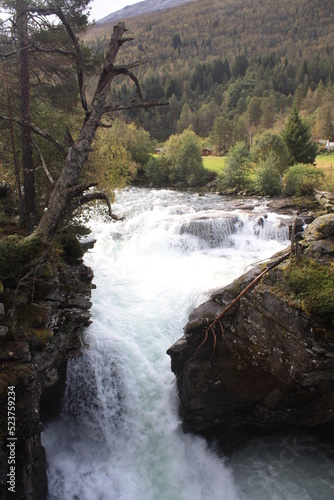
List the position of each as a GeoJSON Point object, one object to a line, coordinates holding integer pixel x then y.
{"type": "Point", "coordinates": [101, 8]}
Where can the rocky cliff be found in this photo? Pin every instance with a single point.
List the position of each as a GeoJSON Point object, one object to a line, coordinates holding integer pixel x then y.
{"type": "Point", "coordinates": [40, 321]}
{"type": "Point", "coordinates": [269, 362]}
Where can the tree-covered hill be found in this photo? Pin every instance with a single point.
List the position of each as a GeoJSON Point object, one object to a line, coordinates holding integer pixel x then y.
{"type": "Point", "coordinates": [240, 59]}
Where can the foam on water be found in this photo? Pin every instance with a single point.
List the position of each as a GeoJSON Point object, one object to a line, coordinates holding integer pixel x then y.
{"type": "Point", "coordinates": [119, 436]}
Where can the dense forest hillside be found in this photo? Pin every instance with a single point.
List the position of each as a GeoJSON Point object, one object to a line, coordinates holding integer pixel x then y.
{"type": "Point", "coordinates": [247, 61]}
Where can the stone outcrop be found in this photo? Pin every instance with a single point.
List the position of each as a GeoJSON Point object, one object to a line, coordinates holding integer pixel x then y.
{"type": "Point", "coordinates": [270, 363]}
{"type": "Point", "coordinates": [40, 323]}
{"type": "Point", "coordinates": [326, 200]}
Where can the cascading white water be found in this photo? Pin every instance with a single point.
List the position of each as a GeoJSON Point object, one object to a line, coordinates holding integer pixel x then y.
{"type": "Point", "coordinates": [120, 436]}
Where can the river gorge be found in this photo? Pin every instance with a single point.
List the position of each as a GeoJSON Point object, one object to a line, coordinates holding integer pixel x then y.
{"type": "Point", "coordinates": [120, 434]}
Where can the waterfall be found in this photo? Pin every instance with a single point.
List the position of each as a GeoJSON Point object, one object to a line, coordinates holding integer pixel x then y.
{"type": "Point", "coordinates": [120, 434]}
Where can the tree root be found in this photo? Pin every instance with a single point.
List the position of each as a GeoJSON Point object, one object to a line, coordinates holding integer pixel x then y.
{"type": "Point", "coordinates": [217, 320]}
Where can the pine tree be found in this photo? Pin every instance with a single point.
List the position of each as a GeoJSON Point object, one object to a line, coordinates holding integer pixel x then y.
{"type": "Point", "coordinates": [298, 139]}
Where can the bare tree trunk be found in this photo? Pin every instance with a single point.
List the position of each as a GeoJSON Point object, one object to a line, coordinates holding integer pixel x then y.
{"type": "Point", "coordinates": [67, 188]}
{"type": "Point", "coordinates": [27, 161]}
{"type": "Point", "coordinates": [16, 166]}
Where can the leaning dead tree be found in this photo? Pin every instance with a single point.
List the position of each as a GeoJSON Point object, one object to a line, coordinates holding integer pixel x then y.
{"type": "Point", "coordinates": [67, 192]}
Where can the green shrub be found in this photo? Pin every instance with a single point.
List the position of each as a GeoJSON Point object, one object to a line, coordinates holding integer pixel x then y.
{"type": "Point", "coordinates": [302, 179]}
{"type": "Point", "coordinates": [269, 143]}
{"type": "Point", "coordinates": [71, 247]}
{"type": "Point", "coordinates": [268, 179]}
{"type": "Point", "coordinates": [155, 172]}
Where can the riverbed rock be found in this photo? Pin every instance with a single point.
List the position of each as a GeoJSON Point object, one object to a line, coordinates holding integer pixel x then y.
{"type": "Point", "coordinates": [268, 363]}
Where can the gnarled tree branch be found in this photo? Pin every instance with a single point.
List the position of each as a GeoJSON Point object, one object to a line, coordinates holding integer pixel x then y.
{"type": "Point", "coordinates": [212, 326]}
{"type": "Point", "coordinates": [87, 198]}
{"type": "Point", "coordinates": [132, 105]}
{"type": "Point", "coordinates": [17, 51]}
{"type": "Point", "coordinates": [108, 72]}
{"type": "Point", "coordinates": [68, 194]}
{"type": "Point", "coordinates": [62, 52]}
{"type": "Point", "coordinates": [37, 131]}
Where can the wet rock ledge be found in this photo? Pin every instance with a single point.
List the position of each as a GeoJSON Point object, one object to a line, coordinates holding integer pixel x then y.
{"type": "Point", "coordinates": [40, 324]}
{"type": "Point", "coordinates": [273, 363]}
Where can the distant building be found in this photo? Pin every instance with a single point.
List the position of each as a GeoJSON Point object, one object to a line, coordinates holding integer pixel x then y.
{"type": "Point", "coordinates": [328, 144]}
{"type": "Point", "coordinates": [206, 152]}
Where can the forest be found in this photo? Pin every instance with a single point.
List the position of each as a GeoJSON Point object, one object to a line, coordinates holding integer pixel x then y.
{"type": "Point", "coordinates": [243, 61]}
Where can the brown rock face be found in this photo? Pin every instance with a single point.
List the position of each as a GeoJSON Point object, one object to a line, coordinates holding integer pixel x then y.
{"type": "Point", "coordinates": [273, 362]}
{"type": "Point", "coordinates": [39, 339]}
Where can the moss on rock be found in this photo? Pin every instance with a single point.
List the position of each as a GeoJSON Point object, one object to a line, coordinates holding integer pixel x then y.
{"type": "Point", "coordinates": [16, 253]}
{"type": "Point", "coordinates": [312, 285]}
{"type": "Point", "coordinates": [41, 337]}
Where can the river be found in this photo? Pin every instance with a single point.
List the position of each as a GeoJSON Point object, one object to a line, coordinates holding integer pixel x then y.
{"type": "Point", "coordinates": [119, 437]}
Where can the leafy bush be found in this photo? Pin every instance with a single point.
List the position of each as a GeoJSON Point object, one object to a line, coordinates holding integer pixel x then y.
{"type": "Point", "coordinates": [156, 172]}
{"type": "Point", "coordinates": [268, 179]}
{"type": "Point", "coordinates": [302, 179]}
{"type": "Point", "coordinates": [71, 247]}
{"type": "Point", "coordinates": [182, 156]}
{"type": "Point", "coordinates": [267, 143]}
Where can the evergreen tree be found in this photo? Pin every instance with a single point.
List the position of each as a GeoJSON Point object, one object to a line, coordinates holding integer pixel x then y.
{"type": "Point", "coordinates": [240, 66]}
{"type": "Point", "coordinates": [236, 173]}
{"type": "Point", "coordinates": [298, 139]}
{"type": "Point", "coordinates": [43, 52]}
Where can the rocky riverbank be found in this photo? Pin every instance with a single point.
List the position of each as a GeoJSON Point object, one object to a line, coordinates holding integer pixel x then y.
{"type": "Point", "coordinates": [41, 317]}
{"type": "Point", "coordinates": [268, 363]}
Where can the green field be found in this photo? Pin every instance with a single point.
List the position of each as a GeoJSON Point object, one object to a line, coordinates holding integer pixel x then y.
{"type": "Point", "coordinates": [325, 162]}
{"type": "Point", "coordinates": [214, 163]}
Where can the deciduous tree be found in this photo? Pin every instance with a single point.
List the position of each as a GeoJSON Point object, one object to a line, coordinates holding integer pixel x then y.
{"type": "Point", "coordinates": [182, 154]}
{"type": "Point", "coordinates": [267, 143]}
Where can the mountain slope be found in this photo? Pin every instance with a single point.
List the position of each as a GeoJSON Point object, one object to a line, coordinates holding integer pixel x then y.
{"type": "Point", "coordinates": [238, 59]}
{"type": "Point", "coordinates": [145, 7]}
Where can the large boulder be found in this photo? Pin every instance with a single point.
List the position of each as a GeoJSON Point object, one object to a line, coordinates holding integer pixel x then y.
{"type": "Point", "coordinates": [269, 362]}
